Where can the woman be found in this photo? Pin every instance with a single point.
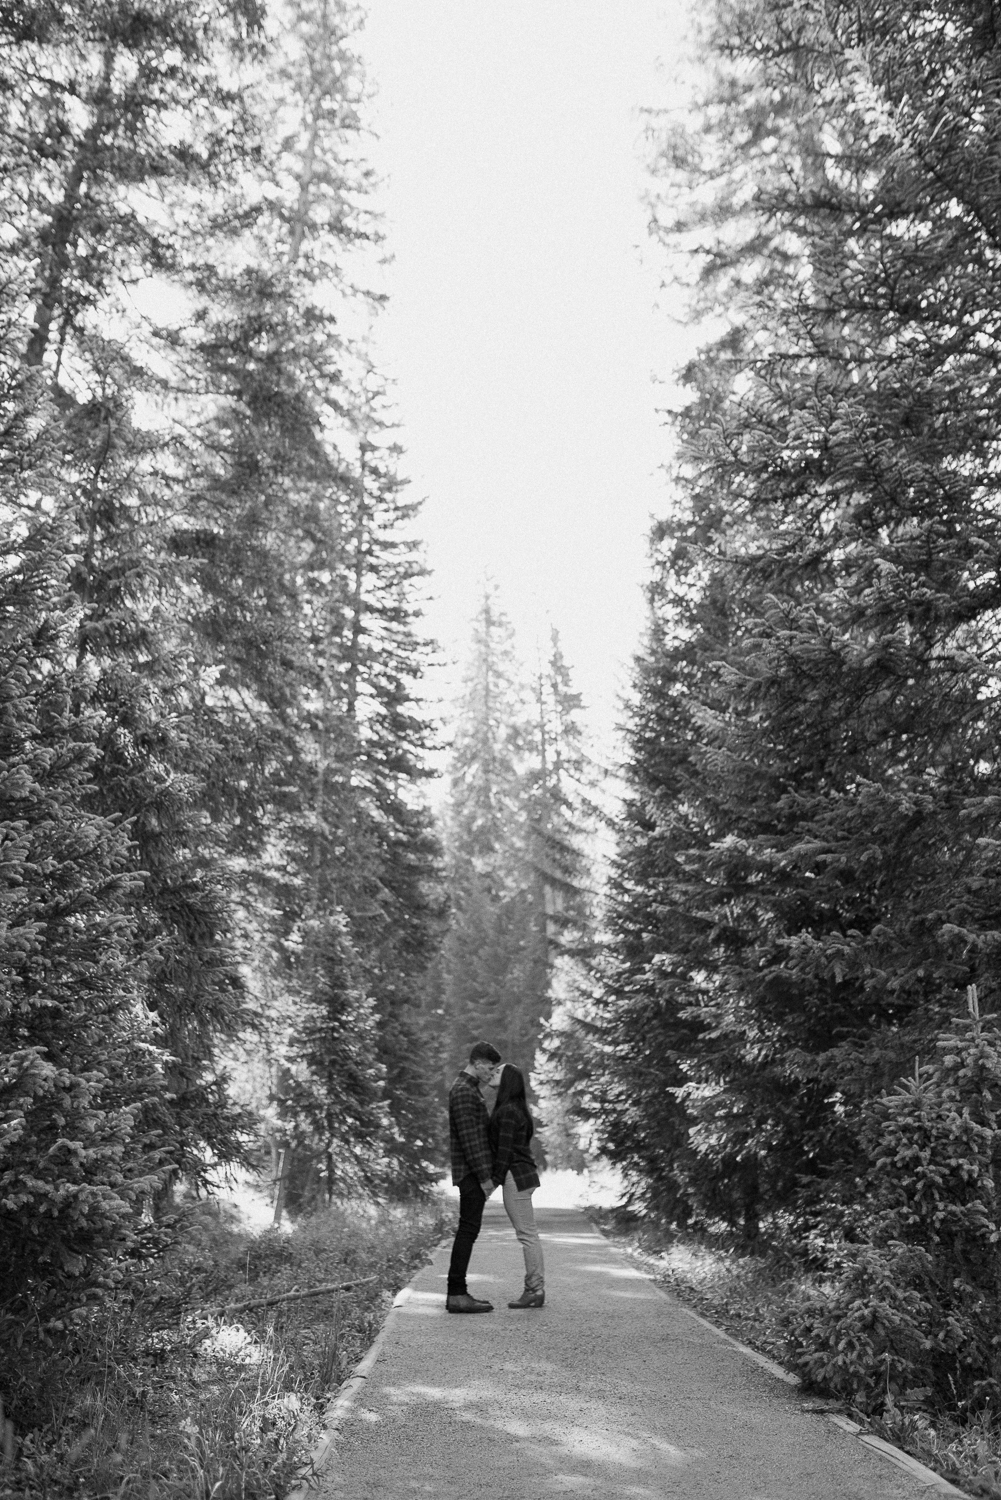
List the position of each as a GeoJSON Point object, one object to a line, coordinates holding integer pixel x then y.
{"type": "Point", "coordinates": [514, 1167]}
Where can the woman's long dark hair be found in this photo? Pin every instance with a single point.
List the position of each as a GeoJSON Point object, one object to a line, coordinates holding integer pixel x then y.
{"type": "Point", "coordinates": [511, 1090]}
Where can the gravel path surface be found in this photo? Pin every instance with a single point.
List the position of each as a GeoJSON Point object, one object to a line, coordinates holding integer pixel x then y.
{"type": "Point", "coordinates": [612, 1390]}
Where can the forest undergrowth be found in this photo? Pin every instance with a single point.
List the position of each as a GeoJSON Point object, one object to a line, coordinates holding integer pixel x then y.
{"type": "Point", "coordinates": [754, 1297]}
{"type": "Point", "coordinates": [157, 1396]}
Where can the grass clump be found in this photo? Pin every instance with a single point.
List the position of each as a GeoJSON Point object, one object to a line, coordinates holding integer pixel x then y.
{"type": "Point", "coordinates": [153, 1397]}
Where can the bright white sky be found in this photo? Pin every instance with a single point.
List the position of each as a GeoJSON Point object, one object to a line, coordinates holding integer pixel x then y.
{"type": "Point", "coordinates": [523, 332]}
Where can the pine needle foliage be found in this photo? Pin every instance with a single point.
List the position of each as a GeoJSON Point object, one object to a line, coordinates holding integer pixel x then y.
{"type": "Point", "coordinates": [808, 874]}
{"type": "Point", "coordinates": [216, 743]}
{"type": "Point", "coordinates": [913, 1317]}
{"type": "Point", "coordinates": [85, 1128]}
{"type": "Point", "coordinates": [518, 831]}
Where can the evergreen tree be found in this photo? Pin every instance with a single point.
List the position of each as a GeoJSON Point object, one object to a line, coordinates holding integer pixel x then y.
{"type": "Point", "coordinates": [518, 858]}
{"type": "Point", "coordinates": [815, 832]}
{"type": "Point", "coordinates": [374, 855]}
{"type": "Point", "coordinates": [396, 905]}
{"type": "Point", "coordinates": [302, 539]}
{"type": "Point", "coordinates": [561, 787]}
{"type": "Point", "coordinates": [915, 1305]}
{"type": "Point", "coordinates": [85, 1129]}
{"type": "Point", "coordinates": [333, 1098]}
{"type": "Point", "coordinates": [106, 108]}
{"type": "Point", "coordinates": [245, 647]}
{"type": "Point", "coordinates": [489, 876]}
{"type": "Point", "coordinates": [623, 1045]}
{"type": "Point", "coordinates": [559, 801]}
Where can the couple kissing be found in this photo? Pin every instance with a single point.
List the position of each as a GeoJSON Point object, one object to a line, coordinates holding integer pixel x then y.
{"type": "Point", "coordinates": [491, 1150]}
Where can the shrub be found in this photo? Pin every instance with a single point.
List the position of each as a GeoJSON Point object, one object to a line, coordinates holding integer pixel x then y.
{"type": "Point", "coordinates": [152, 1395]}
{"type": "Point", "coordinates": [914, 1313]}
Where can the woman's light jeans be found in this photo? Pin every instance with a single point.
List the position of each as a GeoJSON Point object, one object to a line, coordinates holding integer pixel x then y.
{"type": "Point", "coordinates": [519, 1211]}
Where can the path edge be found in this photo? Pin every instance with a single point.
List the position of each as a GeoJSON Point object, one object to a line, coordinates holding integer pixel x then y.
{"type": "Point", "coordinates": [934, 1483]}
{"type": "Point", "coordinates": [347, 1392]}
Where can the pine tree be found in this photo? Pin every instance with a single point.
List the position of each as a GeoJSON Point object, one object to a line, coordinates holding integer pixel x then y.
{"type": "Point", "coordinates": [333, 1097]}
{"type": "Point", "coordinates": [302, 538]}
{"type": "Point", "coordinates": [489, 876]}
{"type": "Point", "coordinates": [826, 832]}
{"type": "Point", "coordinates": [86, 1131]}
{"type": "Point", "coordinates": [517, 845]}
{"type": "Point", "coordinates": [105, 108]}
{"type": "Point", "coordinates": [372, 762]}
{"type": "Point", "coordinates": [562, 784]}
{"type": "Point", "coordinates": [101, 102]}
{"type": "Point", "coordinates": [399, 921]}
{"type": "Point", "coordinates": [627, 1038]}
{"type": "Point", "coordinates": [559, 801]}
{"type": "Point", "coordinates": [85, 1128]}
{"type": "Point", "coordinates": [245, 647]}
{"type": "Point", "coordinates": [915, 1303]}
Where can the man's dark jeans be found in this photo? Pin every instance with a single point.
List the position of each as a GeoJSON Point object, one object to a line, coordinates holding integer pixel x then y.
{"type": "Point", "coordinates": [471, 1201]}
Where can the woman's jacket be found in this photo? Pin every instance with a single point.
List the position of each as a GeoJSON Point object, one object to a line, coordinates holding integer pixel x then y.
{"type": "Point", "coordinates": [510, 1132]}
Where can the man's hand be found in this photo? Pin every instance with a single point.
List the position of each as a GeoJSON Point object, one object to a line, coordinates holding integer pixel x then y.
{"type": "Point", "coordinates": [488, 1185]}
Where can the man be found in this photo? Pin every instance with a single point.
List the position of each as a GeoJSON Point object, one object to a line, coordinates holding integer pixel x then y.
{"type": "Point", "coordinates": [471, 1169]}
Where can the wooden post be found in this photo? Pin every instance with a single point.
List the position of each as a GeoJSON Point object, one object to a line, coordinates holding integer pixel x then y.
{"type": "Point", "coordinates": [283, 1160]}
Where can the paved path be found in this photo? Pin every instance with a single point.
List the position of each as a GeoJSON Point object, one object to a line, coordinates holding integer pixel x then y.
{"type": "Point", "coordinates": [610, 1392]}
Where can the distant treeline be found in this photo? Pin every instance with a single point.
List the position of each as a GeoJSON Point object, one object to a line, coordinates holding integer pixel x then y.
{"type": "Point", "coordinates": [809, 874]}
{"type": "Point", "coordinates": [519, 828]}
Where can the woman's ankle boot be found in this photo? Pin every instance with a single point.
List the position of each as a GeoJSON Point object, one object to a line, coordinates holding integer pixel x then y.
{"type": "Point", "coordinates": [529, 1298]}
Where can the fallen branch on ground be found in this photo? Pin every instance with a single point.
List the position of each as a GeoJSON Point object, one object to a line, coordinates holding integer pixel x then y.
{"type": "Point", "coordinates": [312, 1291]}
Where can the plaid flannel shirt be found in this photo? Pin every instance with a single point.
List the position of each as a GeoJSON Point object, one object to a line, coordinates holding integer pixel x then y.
{"type": "Point", "coordinates": [509, 1139]}
{"type": "Point", "coordinates": [469, 1147]}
